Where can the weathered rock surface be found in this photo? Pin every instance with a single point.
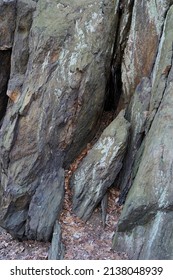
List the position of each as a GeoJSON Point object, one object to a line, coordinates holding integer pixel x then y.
{"type": "Point", "coordinates": [145, 227]}
{"type": "Point", "coordinates": [141, 48]}
{"type": "Point", "coordinates": [136, 114]}
{"type": "Point", "coordinates": [162, 68]}
{"type": "Point", "coordinates": [56, 251]}
{"type": "Point", "coordinates": [57, 95]}
{"type": "Point", "coordinates": [61, 64]}
{"type": "Point", "coordinates": [7, 27]}
{"type": "Point", "coordinates": [99, 168]}
{"type": "Point", "coordinates": [20, 50]}
{"type": "Point", "coordinates": [7, 23]}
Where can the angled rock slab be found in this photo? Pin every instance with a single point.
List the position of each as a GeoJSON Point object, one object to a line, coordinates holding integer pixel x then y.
{"type": "Point", "coordinates": [142, 45]}
{"type": "Point", "coordinates": [162, 67]}
{"type": "Point", "coordinates": [145, 227]}
{"type": "Point", "coordinates": [24, 211]}
{"type": "Point", "coordinates": [7, 23]}
{"type": "Point", "coordinates": [61, 96]}
{"type": "Point", "coordinates": [56, 251]}
{"type": "Point", "coordinates": [136, 114]}
{"type": "Point", "coordinates": [100, 167]}
{"type": "Point", "coordinates": [20, 49]}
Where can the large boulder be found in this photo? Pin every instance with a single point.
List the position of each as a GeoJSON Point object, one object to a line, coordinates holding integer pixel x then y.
{"type": "Point", "coordinates": [99, 168]}
{"type": "Point", "coordinates": [145, 227]}
{"type": "Point", "coordinates": [60, 96]}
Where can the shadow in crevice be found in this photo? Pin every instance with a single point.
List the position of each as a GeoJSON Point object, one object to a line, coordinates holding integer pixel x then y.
{"type": "Point", "coordinates": [5, 66]}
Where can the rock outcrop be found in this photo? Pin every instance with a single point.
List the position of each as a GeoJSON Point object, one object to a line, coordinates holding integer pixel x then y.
{"type": "Point", "coordinates": [136, 114]}
{"type": "Point", "coordinates": [60, 66]}
{"type": "Point", "coordinates": [145, 226]}
{"type": "Point", "coordinates": [99, 168]}
{"type": "Point", "coordinates": [141, 48]}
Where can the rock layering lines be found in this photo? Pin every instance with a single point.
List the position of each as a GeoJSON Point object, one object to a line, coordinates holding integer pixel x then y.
{"type": "Point", "coordinates": [100, 167]}
{"type": "Point", "coordinates": [56, 251]}
{"type": "Point", "coordinates": [145, 226]}
{"type": "Point", "coordinates": [136, 114]}
{"type": "Point", "coordinates": [141, 48]}
{"type": "Point", "coordinates": [57, 94]}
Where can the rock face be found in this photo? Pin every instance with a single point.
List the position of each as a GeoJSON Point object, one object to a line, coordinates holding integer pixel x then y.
{"type": "Point", "coordinates": [142, 44]}
{"type": "Point", "coordinates": [145, 226]}
{"type": "Point", "coordinates": [99, 168]}
{"type": "Point", "coordinates": [136, 114]}
{"type": "Point", "coordinates": [56, 251]}
{"type": "Point", "coordinates": [60, 65]}
{"type": "Point", "coordinates": [20, 50]}
{"type": "Point", "coordinates": [7, 27]}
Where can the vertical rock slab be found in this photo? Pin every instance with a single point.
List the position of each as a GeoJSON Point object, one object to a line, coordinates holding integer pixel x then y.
{"type": "Point", "coordinates": [145, 226]}
{"type": "Point", "coordinates": [56, 251]}
{"type": "Point", "coordinates": [7, 27]}
{"type": "Point", "coordinates": [20, 50]}
{"type": "Point", "coordinates": [136, 114]}
{"type": "Point", "coordinates": [7, 23]}
{"type": "Point", "coordinates": [141, 49]}
{"type": "Point", "coordinates": [161, 68]}
{"type": "Point", "coordinates": [56, 110]}
{"type": "Point", "coordinates": [99, 168]}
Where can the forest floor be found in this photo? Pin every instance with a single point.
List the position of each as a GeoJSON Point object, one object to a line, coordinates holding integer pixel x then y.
{"type": "Point", "coordinates": [82, 241]}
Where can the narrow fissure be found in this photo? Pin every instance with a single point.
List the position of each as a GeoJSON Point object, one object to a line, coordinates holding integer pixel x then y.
{"type": "Point", "coordinates": [5, 66]}
{"type": "Point", "coordinates": [115, 85]}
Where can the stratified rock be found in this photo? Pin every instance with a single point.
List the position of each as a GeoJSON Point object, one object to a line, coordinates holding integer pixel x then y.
{"type": "Point", "coordinates": [141, 49]}
{"type": "Point", "coordinates": [161, 69]}
{"type": "Point", "coordinates": [20, 50]}
{"type": "Point", "coordinates": [7, 26]}
{"type": "Point", "coordinates": [145, 226]}
{"type": "Point", "coordinates": [56, 251]}
{"type": "Point", "coordinates": [99, 168]}
{"type": "Point", "coordinates": [54, 113]}
{"type": "Point", "coordinates": [136, 114]}
{"type": "Point", "coordinates": [7, 23]}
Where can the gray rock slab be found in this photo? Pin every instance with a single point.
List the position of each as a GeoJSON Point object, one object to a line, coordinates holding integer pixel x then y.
{"type": "Point", "coordinates": [99, 168]}
{"type": "Point", "coordinates": [141, 48]}
{"type": "Point", "coordinates": [56, 251]}
{"type": "Point", "coordinates": [136, 114]}
{"type": "Point", "coordinates": [60, 67]}
{"type": "Point", "coordinates": [145, 227]}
